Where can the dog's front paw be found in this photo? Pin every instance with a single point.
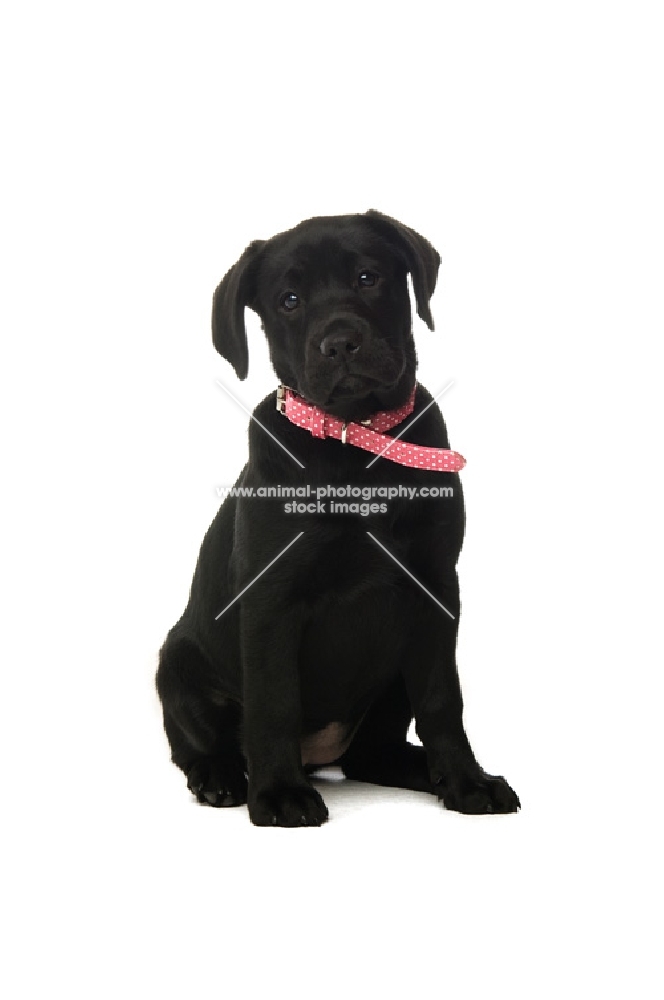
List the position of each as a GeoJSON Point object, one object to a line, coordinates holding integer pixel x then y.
{"type": "Point", "coordinates": [478, 794]}
{"type": "Point", "coordinates": [287, 805]}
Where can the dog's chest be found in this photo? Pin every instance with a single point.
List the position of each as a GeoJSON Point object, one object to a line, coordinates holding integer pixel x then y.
{"type": "Point", "coordinates": [350, 650]}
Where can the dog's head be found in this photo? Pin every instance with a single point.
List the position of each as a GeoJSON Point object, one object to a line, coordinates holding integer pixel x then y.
{"type": "Point", "coordinates": [333, 298]}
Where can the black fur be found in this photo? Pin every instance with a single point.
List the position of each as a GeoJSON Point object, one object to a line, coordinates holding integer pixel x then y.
{"type": "Point", "coordinates": [334, 636]}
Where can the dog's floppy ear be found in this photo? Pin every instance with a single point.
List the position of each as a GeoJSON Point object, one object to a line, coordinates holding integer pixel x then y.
{"type": "Point", "coordinates": [420, 258]}
{"type": "Point", "coordinates": [235, 292]}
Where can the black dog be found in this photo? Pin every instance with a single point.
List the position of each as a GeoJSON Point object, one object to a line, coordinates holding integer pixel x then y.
{"type": "Point", "coordinates": [333, 645]}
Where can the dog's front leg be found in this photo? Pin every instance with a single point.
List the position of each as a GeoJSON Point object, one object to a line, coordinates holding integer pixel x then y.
{"type": "Point", "coordinates": [280, 793]}
{"type": "Point", "coordinates": [435, 694]}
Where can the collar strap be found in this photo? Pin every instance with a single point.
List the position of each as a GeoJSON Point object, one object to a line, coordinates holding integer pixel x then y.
{"type": "Point", "coordinates": [368, 434]}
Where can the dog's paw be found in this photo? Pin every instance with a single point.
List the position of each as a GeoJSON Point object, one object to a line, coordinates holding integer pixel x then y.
{"type": "Point", "coordinates": [288, 805]}
{"type": "Point", "coordinates": [218, 782]}
{"type": "Point", "coordinates": [478, 794]}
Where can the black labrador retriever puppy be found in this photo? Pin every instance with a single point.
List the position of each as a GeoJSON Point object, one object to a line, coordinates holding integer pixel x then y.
{"type": "Point", "coordinates": [314, 637]}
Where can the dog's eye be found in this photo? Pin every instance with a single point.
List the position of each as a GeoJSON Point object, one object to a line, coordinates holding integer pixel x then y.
{"type": "Point", "coordinates": [366, 279]}
{"type": "Point", "coordinates": [290, 301]}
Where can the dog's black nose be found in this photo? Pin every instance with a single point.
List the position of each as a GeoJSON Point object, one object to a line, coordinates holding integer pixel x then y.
{"type": "Point", "coordinates": [340, 344]}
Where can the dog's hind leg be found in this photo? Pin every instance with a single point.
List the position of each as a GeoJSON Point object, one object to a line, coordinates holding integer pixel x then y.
{"type": "Point", "coordinates": [380, 752]}
{"type": "Point", "coordinates": [202, 725]}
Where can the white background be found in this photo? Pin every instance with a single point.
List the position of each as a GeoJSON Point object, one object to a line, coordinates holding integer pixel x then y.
{"type": "Point", "coordinates": [144, 146]}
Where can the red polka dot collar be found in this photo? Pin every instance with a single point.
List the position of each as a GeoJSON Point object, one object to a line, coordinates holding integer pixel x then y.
{"type": "Point", "coordinates": [369, 434]}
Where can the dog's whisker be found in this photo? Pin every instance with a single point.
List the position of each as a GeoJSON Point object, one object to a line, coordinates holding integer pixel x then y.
{"type": "Point", "coordinates": [257, 421]}
{"type": "Point", "coordinates": [410, 424]}
{"type": "Point", "coordinates": [408, 572]}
